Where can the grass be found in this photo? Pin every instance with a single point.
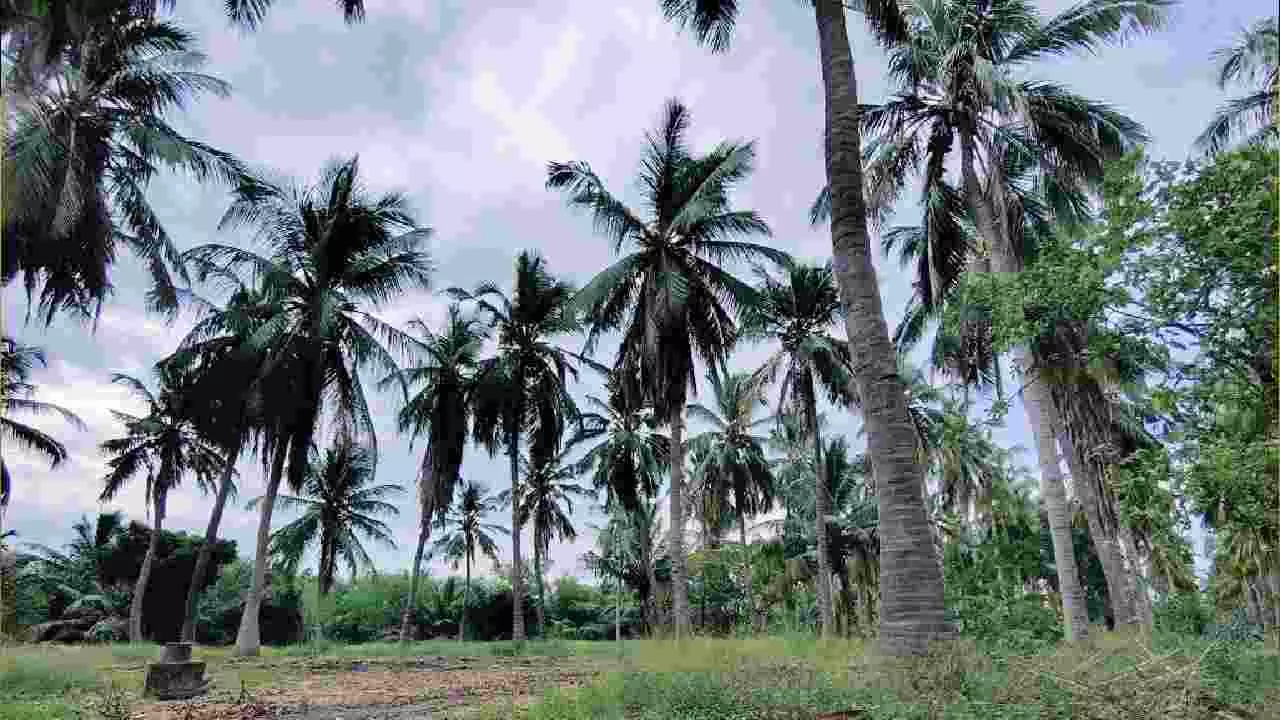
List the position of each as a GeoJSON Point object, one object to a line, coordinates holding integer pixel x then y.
{"type": "Point", "coordinates": [1113, 677]}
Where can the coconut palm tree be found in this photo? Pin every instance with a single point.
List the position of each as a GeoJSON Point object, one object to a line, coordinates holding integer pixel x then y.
{"type": "Point", "coordinates": [466, 533]}
{"type": "Point", "coordinates": [333, 250]}
{"type": "Point", "coordinates": [339, 504]}
{"type": "Point", "coordinates": [1253, 60]}
{"type": "Point", "coordinates": [798, 311]}
{"type": "Point", "coordinates": [630, 554]}
{"type": "Point", "coordinates": [524, 389]}
{"type": "Point", "coordinates": [83, 151]}
{"type": "Point", "coordinates": [962, 83]}
{"type": "Point", "coordinates": [669, 296]}
{"type": "Point", "coordinates": [16, 396]}
{"type": "Point", "coordinates": [546, 501]}
{"type": "Point", "coordinates": [913, 612]}
{"type": "Point", "coordinates": [441, 408]}
{"type": "Point", "coordinates": [730, 456]}
{"type": "Point", "coordinates": [225, 401]}
{"type": "Point", "coordinates": [627, 465]}
{"type": "Point", "coordinates": [166, 445]}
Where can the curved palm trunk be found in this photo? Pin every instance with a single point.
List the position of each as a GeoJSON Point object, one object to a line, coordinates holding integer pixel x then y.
{"type": "Point", "coordinates": [406, 617]}
{"type": "Point", "coordinates": [675, 543]}
{"type": "Point", "coordinates": [140, 587]}
{"type": "Point", "coordinates": [821, 509]}
{"type": "Point", "coordinates": [517, 574]}
{"type": "Point", "coordinates": [913, 613]}
{"type": "Point", "coordinates": [1037, 401]}
{"type": "Point", "coordinates": [249, 637]}
{"type": "Point", "coordinates": [206, 550]}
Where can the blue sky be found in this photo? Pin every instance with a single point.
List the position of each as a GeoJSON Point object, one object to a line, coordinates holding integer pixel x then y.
{"type": "Point", "coordinates": [461, 104]}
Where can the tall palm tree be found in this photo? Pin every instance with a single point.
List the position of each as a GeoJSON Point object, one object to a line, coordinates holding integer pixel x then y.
{"type": "Point", "coordinates": [798, 311]}
{"type": "Point", "coordinates": [333, 250]}
{"type": "Point", "coordinates": [165, 444]}
{"type": "Point", "coordinates": [466, 533]}
{"type": "Point", "coordinates": [669, 296]}
{"type": "Point", "coordinates": [546, 501]}
{"type": "Point", "coordinates": [961, 76]}
{"type": "Point", "coordinates": [83, 151]}
{"type": "Point", "coordinates": [913, 612]}
{"type": "Point", "coordinates": [627, 465]}
{"type": "Point", "coordinates": [1253, 60]}
{"type": "Point", "coordinates": [16, 396]}
{"type": "Point", "coordinates": [225, 402]}
{"type": "Point", "coordinates": [339, 504]}
{"type": "Point", "coordinates": [441, 407]}
{"type": "Point", "coordinates": [524, 389]}
{"type": "Point", "coordinates": [731, 456]}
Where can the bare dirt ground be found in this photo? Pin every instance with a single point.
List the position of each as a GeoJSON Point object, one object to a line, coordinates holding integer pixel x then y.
{"type": "Point", "coordinates": [429, 688]}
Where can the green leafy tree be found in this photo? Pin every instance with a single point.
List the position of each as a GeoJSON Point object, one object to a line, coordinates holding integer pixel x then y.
{"type": "Point", "coordinates": [546, 502]}
{"type": "Point", "coordinates": [166, 445]}
{"type": "Point", "coordinates": [914, 612]}
{"type": "Point", "coordinates": [797, 311]}
{"type": "Point", "coordinates": [523, 391]}
{"type": "Point", "coordinates": [339, 504]}
{"type": "Point", "coordinates": [441, 407]}
{"type": "Point", "coordinates": [17, 394]}
{"type": "Point", "coordinates": [669, 295]}
{"type": "Point", "coordinates": [464, 533]}
{"type": "Point", "coordinates": [1253, 60]}
{"type": "Point", "coordinates": [83, 151]}
{"type": "Point", "coordinates": [333, 250]}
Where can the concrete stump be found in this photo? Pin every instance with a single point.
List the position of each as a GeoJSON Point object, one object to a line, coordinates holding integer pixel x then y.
{"type": "Point", "coordinates": [175, 677]}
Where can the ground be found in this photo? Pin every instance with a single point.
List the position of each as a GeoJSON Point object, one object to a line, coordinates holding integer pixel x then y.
{"type": "Point", "coordinates": [1112, 677]}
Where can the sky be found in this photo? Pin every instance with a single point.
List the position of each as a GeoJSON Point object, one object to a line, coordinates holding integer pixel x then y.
{"type": "Point", "coordinates": [461, 105]}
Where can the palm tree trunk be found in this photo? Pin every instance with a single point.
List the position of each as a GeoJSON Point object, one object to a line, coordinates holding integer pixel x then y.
{"type": "Point", "coordinates": [328, 559]}
{"type": "Point", "coordinates": [249, 637]}
{"type": "Point", "coordinates": [1121, 591]}
{"type": "Point", "coordinates": [206, 550]}
{"type": "Point", "coordinates": [821, 509]}
{"type": "Point", "coordinates": [1037, 401]}
{"type": "Point", "coordinates": [517, 574]}
{"type": "Point", "coordinates": [651, 571]}
{"type": "Point", "coordinates": [746, 559]}
{"type": "Point", "coordinates": [913, 613]}
{"type": "Point", "coordinates": [542, 591]}
{"type": "Point", "coordinates": [424, 534]}
{"type": "Point", "coordinates": [144, 576]}
{"type": "Point", "coordinates": [466, 601]}
{"type": "Point", "coordinates": [675, 543]}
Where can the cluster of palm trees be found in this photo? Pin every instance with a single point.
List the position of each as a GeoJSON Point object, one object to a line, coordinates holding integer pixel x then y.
{"type": "Point", "coordinates": [278, 362]}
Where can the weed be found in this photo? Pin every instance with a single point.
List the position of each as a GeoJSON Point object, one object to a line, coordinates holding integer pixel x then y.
{"type": "Point", "coordinates": [113, 704]}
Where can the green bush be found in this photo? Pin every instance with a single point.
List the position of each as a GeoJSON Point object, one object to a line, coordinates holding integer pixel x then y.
{"type": "Point", "coordinates": [1183, 613]}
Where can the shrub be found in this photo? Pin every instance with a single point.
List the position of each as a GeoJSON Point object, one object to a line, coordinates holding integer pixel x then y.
{"type": "Point", "coordinates": [1183, 613]}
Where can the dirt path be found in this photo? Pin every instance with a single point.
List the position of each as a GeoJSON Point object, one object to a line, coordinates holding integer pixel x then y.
{"type": "Point", "coordinates": [380, 689]}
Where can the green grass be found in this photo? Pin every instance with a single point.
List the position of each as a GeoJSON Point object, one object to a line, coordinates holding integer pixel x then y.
{"type": "Point", "coordinates": [444, 648]}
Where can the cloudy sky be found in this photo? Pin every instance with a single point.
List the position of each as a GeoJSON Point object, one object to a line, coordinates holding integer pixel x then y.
{"type": "Point", "coordinates": [462, 104]}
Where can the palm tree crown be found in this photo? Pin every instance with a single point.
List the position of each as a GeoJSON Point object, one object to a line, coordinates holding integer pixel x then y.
{"type": "Point", "coordinates": [16, 393]}
{"type": "Point", "coordinates": [669, 296]}
{"type": "Point", "coordinates": [339, 504]}
{"type": "Point", "coordinates": [1253, 60]}
{"type": "Point", "coordinates": [82, 153]}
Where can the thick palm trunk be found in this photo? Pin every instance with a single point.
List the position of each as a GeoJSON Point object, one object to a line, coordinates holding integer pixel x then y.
{"type": "Point", "coordinates": [249, 637]}
{"type": "Point", "coordinates": [424, 534]}
{"type": "Point", "coordinates": [517, 570]}
{"type": "Point", "coordinates": [821, 509]}
{"type": "Point", "coordinates": [675, 543]}
{"type": "Point", "coordinates": [140, 587]}
{"type": "Point", "coordinates": [912, 613]}
{"type": "Point", "coordinates": [206, 550]}
{"type": "Point", "coordinates": [1037, 401]}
